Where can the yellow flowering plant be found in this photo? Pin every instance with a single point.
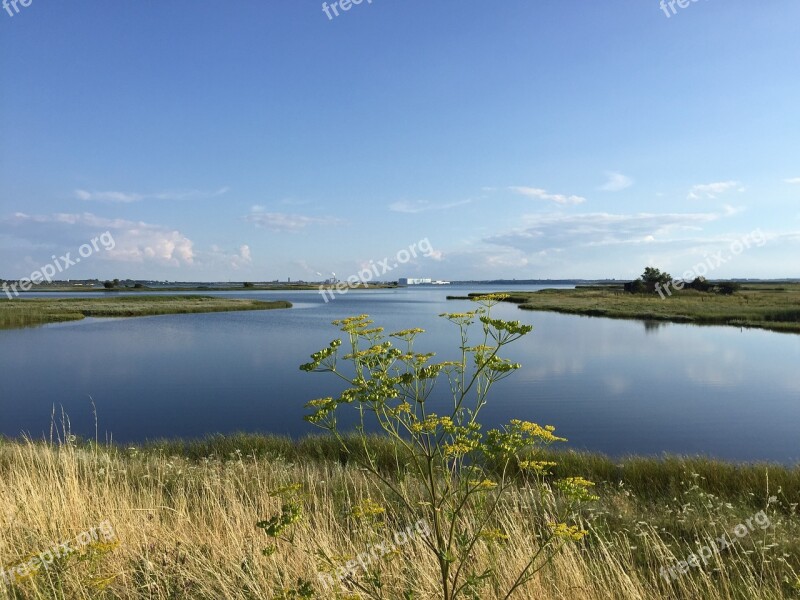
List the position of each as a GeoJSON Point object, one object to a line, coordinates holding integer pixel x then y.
{"type": "Point", "coordinates": [461, 471]}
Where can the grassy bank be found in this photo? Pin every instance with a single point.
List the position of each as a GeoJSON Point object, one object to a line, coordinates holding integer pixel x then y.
{"type": "Point", "coordinates": [767, 306]}
{"type": "Point", "coordinates": [38, 311]}
{"type": "Point", "coordinates": [184, 515]}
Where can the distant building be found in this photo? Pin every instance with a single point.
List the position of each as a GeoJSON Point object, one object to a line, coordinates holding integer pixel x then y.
{"type": "Point", "coordinates": [408, 281]}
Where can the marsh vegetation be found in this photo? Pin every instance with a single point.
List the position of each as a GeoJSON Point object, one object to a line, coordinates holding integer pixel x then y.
{"type": "Point", "coordinates": [764, 306]}
{"type": "Point", "coordinates": [38, 311]}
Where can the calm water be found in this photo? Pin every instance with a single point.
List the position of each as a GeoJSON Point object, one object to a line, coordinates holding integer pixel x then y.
{"type": "Point", "coordinates": [616, 386]}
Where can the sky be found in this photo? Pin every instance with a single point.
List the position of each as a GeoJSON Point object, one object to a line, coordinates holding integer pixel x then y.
{"type": "Point", "coordinates": [523, 139]}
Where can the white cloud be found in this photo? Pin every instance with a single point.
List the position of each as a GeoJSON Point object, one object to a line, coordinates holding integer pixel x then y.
{"type": "Point", "coordinates": [795, 180]}
{"type": "Point", "coordinates": [547, 233]}
{"type": "Point", "coordinates": [107, 196]}
{"type": "Point", "coordinates": [712, 190]}
{"type": "Point", "coordinates": [541, 194]}
{"type": "Point", "coordinates": [616, 182]}
{"type": "Point", "coordinates": [135, 241]}
{"type": "Point", "coordinates": [233, 260]}
{"type": "Point", "coordinates": [732, 210]}
{"type": "Point", "coordinates": [512, 259]}
{"type": "Point", "coordinates": [403, 206]}
{"type": "Point", "coordinates": [128, 197]}
{"type": "Point", "coordinates": [436, 255]}
{"type": "Point", "coordinates": [286, 222]}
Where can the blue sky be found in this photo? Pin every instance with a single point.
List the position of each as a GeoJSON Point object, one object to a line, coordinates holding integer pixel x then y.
{"type": "Point", "coordinates": [522, 139]}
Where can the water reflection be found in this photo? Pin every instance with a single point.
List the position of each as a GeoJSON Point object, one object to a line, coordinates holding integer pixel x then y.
{"type": "Point", "coordinates": [608, 385]}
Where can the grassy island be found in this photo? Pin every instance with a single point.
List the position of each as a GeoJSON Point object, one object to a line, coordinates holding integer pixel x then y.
{"type": "Point", "coordinates": [765, 306]}
{"type": "Point", "coordinates": [38, 311]}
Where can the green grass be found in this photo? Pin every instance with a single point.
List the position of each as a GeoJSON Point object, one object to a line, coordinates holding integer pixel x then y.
{"type": "Point", "coordinates": [39, 311]}
{"type": "Point", "coordinates": [763, 306]}
{"type": "Point", "coordinates": [654, 480]}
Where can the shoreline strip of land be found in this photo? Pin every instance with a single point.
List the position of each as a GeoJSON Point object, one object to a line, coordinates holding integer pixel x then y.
{"type": "Point", "coordinates": [15, 314]}
{"type": "Point", "coordinates": [757, 306]}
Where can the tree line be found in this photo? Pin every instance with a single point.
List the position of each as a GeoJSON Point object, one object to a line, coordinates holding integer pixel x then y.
{"type": "Point", "coordinates": [653, 281]}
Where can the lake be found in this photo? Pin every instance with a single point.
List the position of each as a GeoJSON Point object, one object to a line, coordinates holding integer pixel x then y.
{"type": "Point", "coordinates": [619, 387]}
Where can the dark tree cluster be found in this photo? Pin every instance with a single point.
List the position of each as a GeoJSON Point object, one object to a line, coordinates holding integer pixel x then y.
{"type": "Point", "coordinates": [654, 281]}
{"type": "Point", "coordinates": [648, 281]}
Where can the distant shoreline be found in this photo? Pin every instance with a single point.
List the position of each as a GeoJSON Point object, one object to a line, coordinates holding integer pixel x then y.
{"type": "Point", "coordinates": [128, 285]}
{"type": "Point", "coordinates": [284, 287]}
{"type": "Point", "coordinates": [31, 312]}
{"type": "Point", "coordinates": [774, 306]}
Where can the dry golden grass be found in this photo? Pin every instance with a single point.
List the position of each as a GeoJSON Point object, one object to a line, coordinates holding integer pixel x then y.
{"type": "Point", "coordinates": [186, 529]}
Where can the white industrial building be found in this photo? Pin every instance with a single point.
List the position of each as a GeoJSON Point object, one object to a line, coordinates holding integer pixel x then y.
{"type": "Point", "coordinates": [409, 281]}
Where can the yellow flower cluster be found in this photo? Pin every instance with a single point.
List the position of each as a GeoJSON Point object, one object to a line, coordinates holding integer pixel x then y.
{"type": "Point", "coordinates": [492, 535]}
{"type": "Point", "coordinates": [431, 423]}
{"type": "Point", "coordinates": [373, 331]}
{"type": "Point", "coordinates": [407, 334]}
{"type": "Point", "coordinates": [358, 326]}
{"type": "Point", "coordinates": [293, 489]}
{"type": "Point", "coordinates": [579, 481]}
{"type": "Point", "coordinates": [323, 406]}
{"type": "Point", "coordinates": [99, 548]}
{"type": "Point", "coordinates": [538, 467]}
{"type": "Point", "coordinates": [320, 402]}
{"type": "Point", "coordinates": [401, 408]}
{"type": "Point", "coordinates": [367, 509]}
{"type": "Point", "coordinates": [351, 321]}
{"type": "Point", "coordinates": [486, 484]}
{"type": "Point", "coordinates": [490, 298]}
{"type": "Point", "coordinates": [372, 351]}
{"type": "Point", "coordinates": [450, 363]}
{"type": "Point", "coordinates": [482, 349]}
{"type": "Point", "coordinates": [510, 327]}
{"type": "Point", "coordinates": [577, 488]}
{"type": "Point", "coordinates": [459, 448]}
{"type": "Point", "coordinates": [421, 359]}
{"type": "Point", "coordinates": [545, 433]}
{"type": "Point", "coordinates": [465, 318]}
{"type": "Point", "coordinates": [94, 549]}
{"type": "Point", "coordinates": [570, 533]}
